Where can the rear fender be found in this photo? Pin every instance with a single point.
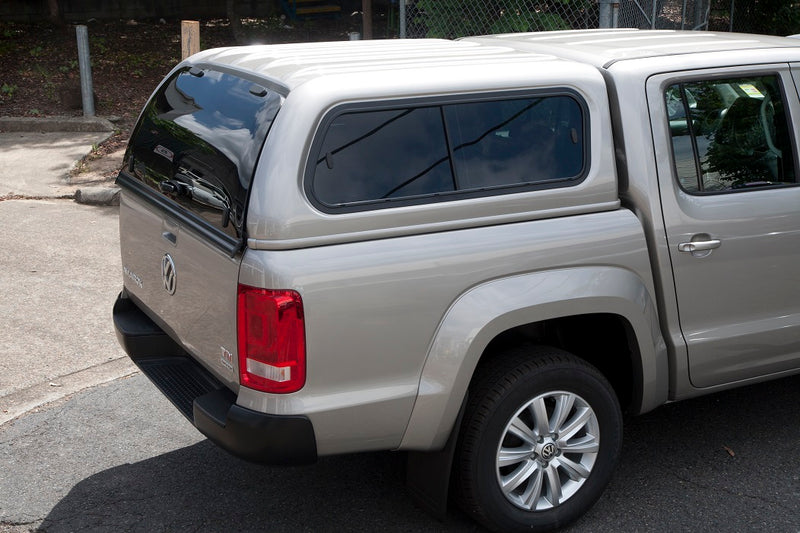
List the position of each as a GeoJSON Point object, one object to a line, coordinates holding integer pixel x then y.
{"type": "Point", "coordinates": [487, 310]}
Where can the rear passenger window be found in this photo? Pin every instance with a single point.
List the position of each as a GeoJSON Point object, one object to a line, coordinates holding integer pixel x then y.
{"type": "Point", "coordinates": [730, 134]}
{"type": "Point", "coordinates": [408, 155]}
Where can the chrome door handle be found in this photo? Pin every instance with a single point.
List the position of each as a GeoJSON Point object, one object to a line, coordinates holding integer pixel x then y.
{"type": "Point", "coordinates": [699, 246]}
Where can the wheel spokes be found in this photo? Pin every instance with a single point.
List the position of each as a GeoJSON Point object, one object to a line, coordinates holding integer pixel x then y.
{"type": "Point", "coordinates": [576, 423]}
{"type": "Point", "coordinates": [533, 493]}
{"type": "Point", "coordinates": [520, 429]}
{"type": "Point", "coordinates": [547, 450]}
{"type": "Point", "coordinates": [575, 471]}
{"type": "Point", "coordinates": [512, 456]}
{"type": "Point", "coordinates": [553, 483]}
{"type": "Point", "coordinates": [538, 411]}
{"type": "Point", "coordinates": [512, 481]}
{"type": "Point", "coordinates": [564, 403]}
{"type": "Point", "coordinates": [586, 444]}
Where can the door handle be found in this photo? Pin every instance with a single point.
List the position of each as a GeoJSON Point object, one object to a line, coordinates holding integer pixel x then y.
{"type": "Point", "coordinates": [170, 237]}
{"type": "Point", "coordinates": [699, 246]}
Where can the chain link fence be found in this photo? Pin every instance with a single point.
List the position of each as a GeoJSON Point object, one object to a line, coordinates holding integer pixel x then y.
{"type": "Point", "coordinates": [659, 14]}
{"type": "Point", "coordinates": [715, 15]}
{"type": "Point", "coordinates": [459, 18]}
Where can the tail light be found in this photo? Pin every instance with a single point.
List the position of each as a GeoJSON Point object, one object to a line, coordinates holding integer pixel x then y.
{"type": "Point", "coordinates": [272, 342]}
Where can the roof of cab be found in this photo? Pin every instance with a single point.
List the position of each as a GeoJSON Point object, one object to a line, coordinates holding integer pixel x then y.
{"type": "Point", "coordinates": [293, 64]}
{"type": "Point", "coordinates": [602, 48]}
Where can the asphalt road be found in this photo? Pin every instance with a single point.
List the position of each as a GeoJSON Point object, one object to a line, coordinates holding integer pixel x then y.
{"type": "Point", "coordinates": [118, 457]}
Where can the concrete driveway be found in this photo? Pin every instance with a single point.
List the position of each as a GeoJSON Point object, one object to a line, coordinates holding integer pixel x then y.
{"type": "Point", "coordinates": [36, 164]}
{"type": "Point", "coordinates": [60, 273]}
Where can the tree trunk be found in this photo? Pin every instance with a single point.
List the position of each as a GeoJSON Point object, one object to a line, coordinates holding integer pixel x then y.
{"type": "Point", "coordinates": [234, 20]}
{"type": "Point", "coordinates": [54, 13]}
{"type": "Point", "coordinates": [366, 9]}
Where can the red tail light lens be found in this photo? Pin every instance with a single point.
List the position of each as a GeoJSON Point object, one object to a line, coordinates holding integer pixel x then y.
{"type": "Point", "coordinates": [272, 341]}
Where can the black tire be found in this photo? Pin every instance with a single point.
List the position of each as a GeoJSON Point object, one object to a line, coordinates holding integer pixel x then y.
{"type": "Point", "coordinates": [514, 386]}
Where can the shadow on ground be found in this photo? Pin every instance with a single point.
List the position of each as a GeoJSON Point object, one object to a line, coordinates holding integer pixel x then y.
{"type": "Point", "coordinates": [727, 462]}
{"type": "Point", "coordinates": [201, 488]}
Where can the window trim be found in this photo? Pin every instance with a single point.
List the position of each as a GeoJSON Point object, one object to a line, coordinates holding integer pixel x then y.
{"type": "Point", "coordinates": [729, 74]}
{"type": "Point", "coordinates": [446, 196]}
{"type": "Point", "coordinates": [208, 233]}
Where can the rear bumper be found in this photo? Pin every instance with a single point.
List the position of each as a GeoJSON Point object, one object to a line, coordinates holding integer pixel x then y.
{"type": "Point", "coordinates": [206, 402]}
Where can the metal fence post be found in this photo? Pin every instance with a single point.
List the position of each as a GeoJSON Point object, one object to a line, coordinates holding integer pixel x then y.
{"type": "Point", "coordinates": [85, 67]}
{"type": "Point", "coordinates": [606, 14]}
{"type": "Point", "coordinates": [402, 19]}
{"type": "Point", "coordinates": [654, 18]}
{"type": "Point", "coordinates": [699, 15]}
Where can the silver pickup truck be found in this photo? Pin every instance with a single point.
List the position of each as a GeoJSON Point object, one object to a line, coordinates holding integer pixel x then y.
{"type": "Point", "coordinates": [480, 252]}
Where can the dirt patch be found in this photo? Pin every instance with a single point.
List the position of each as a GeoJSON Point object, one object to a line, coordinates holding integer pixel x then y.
{"type": "Point", "coordinates": [40, 74]}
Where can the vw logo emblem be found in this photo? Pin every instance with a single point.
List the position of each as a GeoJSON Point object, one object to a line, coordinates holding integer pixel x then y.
{"type": "Point", "coordinates": [168, 280]}
{"type": "Point", "coordinates": [548, 451]}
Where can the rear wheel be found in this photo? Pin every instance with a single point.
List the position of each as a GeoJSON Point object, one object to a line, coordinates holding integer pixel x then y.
{"type": "Point", "coordinates": [540, 439]}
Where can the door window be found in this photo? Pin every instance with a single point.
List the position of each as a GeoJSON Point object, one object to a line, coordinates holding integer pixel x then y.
{"type": "Point", "coordinates": [730, 134]}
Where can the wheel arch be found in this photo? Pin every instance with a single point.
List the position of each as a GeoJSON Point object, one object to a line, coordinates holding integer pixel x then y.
{"type": "Point", "coordinates": [539, 306]}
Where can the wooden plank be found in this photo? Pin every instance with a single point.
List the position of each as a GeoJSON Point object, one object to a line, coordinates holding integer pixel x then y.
{"type": "Point", "coordinates": [317, 10]}
{"type": "Point", "coordinates": [190, 38]}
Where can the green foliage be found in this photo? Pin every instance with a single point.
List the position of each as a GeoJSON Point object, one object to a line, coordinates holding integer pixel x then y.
{"type": "Point", "coordinates": [36, 51]}
{"type": "Point", "coordinates": [524, 22]}
{"type": "Point", "coordinates": [136, 61]}
{"type": "Point", "coordinates": [7, 91]}
{"type": "Point", "coordinates": [458, 18]}
{"type": "Point", "coordinates": [770, 17]}
{"type": "Point", "coordinates": [9, 39]}
{"type": "Point", "coordinates": [47, 84]}
{"type": "Point", "coordinates": [97, 45]}
{"type": "Point", "coordinates": [780, 17]}
{"type": "Point", "coordinates": [442, 16]}
{"type": "Point", "coordinates": [72, 65]}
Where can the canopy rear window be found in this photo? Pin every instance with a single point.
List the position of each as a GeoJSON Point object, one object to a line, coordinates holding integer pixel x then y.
{"type": "Point", "coordinates": [198, 141]}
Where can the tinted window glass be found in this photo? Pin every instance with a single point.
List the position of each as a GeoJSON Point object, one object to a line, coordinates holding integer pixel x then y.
{"type": "Point", "coordinates": [416, 152]}
{"type": "Point", "coordinates": [383, 154]}
{"type": "Point", "coordinates": [509, 142]}
{"type": "Point", "coordinates": [730, 134]}
{"type": "Point", "coordinates": [198, 141]}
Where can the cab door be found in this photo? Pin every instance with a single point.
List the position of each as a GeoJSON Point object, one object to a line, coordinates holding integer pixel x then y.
{"type": "Point", "coordinates": [731, 206]}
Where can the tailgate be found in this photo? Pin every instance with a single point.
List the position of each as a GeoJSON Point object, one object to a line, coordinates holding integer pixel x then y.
{"type": "Point", "coordinates": [184, 183]}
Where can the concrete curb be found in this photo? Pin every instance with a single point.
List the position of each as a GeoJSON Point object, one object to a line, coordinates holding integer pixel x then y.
{"type": "Point", "coordinates": [55, 124]}
{"type": "Point", "coordinates": [97, 196]}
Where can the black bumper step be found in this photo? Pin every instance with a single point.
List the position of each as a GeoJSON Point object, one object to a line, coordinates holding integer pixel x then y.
{"type": "Point", "coordinates": [181, 380]}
